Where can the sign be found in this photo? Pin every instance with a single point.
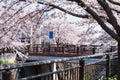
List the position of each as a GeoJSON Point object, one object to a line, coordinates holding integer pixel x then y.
{"type": "Point", "coordinates": [21, 36]}
{"type": "Point", "coordinates": [50, 35]}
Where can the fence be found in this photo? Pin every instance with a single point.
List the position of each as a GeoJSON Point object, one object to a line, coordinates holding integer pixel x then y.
{"type": "Point", "coordinates": [74, 68]}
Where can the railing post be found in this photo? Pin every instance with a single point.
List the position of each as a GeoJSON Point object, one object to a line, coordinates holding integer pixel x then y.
{"type": "Point", "coordinates": [81, 69]}
{"type": "Point", "coordinates": [55, 76]}
{"type": "Point", "coordinates": [43, 49]}
{"type": "Point", "coordinates": [107, 66]}
{"type": "Point", "coordinates": [55, 49]}
{"type": "Point", "coordinates": [3, 50]}
{"type": "Point", "coordinates": [36, 47]}
{"type": "Point", "coordinates": [77, 50]}
{"type": "Point", "coordinates": [111, 48]}
{"type": "Point", "coordinates": [0, 75]}
{"type": "Point", "coordinates": [63, 49]}
{"type": "Point", "coordinates": [49, 48]}
{"type": "Point", "coordinates": [93, 50]}
{"type": "Point", "coordinates": [74, 49]}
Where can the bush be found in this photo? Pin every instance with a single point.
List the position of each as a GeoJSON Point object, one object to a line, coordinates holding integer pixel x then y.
{"type": "Point", "coordinates": [113, 78]}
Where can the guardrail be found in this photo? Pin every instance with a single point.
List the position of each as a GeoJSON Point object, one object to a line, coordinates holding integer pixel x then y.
{"type": "Point", "coordinates": [74, 68]}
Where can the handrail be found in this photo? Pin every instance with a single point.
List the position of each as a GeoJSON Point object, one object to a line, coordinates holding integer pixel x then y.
{"type": "Point", "coordinates": [13, 66]}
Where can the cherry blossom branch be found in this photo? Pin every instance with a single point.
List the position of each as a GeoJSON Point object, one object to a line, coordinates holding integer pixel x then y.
{"type": "Point", "coordinates": [102, 9]}
{"type": "Point", "coordinates": [9, 7]}
{"type": "Point", "coordinates": [61, 9]}
{"type": "Point", "coordinates": [98, 19]}
{"type": "Point", "coordinates": [14, 14]}
{"type": "Point", "coordinates": [24, 18]}
{"type": "Point", "coordinates": [14, 3]}
{"type": "Point", "coordinates": [115, 10]}
{"type": "Point", "coordinates": [17, 22]}
{"type": "Point", "coordinates": [113, 2]}
{"type": "Point", "coordinates": [109, 13]}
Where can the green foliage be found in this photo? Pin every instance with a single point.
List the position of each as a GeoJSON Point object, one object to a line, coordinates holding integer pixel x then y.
{"type": "Point", "coordinates": [113, 78]}
{"type": "Point", "coordinates": [4, 62]}
{"type": "Point", "coordinates": [87, 77]}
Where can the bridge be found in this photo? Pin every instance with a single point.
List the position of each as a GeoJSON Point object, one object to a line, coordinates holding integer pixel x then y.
{"type": "Point", "coordinates": [65, 50]}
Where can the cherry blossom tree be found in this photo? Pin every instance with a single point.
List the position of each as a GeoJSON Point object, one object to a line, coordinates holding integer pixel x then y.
{"type": "Point", "coordinates": [23, 16]}
{"type": "Point", "coordinates": [64, 32]}
{"type": "Point", "coordinates": [17, 17]}
{"type": "Point", "coordinates": [111, 14]}
{"type": "Point", "coordinates": [15, 14]}
{"type": "Point", "coordinates": [104, 12]}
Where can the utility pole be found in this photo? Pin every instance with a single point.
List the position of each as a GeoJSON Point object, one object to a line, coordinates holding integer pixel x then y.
{"type": "Point", "coordinates": [31, 35]}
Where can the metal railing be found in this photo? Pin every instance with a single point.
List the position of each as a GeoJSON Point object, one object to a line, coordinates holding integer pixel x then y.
{"type": "Point", "coordinates": [71, 50]}
{"type": "Point", "coordinates": [91, 67]}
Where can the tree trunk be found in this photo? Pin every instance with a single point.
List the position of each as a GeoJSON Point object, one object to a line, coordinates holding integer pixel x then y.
{"type": "Point", "coordinates": [118, 71]}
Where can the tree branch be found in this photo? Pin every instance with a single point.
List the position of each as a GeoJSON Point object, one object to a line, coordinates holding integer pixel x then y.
{"type": "Point", "coordinates": [115, 10]}
{"type": "Point", "coordinates": [61, 9]}
{"type": "Point", "coordinates": [17, 22]}
{"type": "Point", "coordinates": [90, 11]}
{"type": "Point", "coordinates": [14, 3]}
{"type": "Point", "coordinates": [109, 13]}
{"type": "Point", "coordinates": [113, 2]}
{"type": "Point", "coordinates": [100, 22]}
{"type": "Point", "coordinates": [14, 14]}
